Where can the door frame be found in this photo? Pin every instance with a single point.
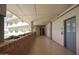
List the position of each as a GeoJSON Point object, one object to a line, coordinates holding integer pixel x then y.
{"type": "Point", "coordinates": [65, 30]}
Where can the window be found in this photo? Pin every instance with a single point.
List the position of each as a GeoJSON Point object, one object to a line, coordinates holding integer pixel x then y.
{"type": "Point", "coordinates": [15, 27]}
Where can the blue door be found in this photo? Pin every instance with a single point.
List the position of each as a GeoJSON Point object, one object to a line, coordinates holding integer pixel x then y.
{"type": "Point", "coordinates": [71, 34]}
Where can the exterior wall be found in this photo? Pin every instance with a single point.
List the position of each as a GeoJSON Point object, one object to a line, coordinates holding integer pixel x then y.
{"type": "Point", "coordinates": [58, 27]}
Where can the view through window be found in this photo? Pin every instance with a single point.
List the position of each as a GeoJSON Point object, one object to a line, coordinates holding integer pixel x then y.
{"type": "Point", "coordinates": [13, 26]}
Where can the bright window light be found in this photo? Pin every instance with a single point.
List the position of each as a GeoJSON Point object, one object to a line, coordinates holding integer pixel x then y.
{"type": "Point", "coordinates": [13, 26]}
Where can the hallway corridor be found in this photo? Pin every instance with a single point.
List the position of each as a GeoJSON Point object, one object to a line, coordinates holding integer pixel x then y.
{"type": "Point", "coordinates": [45, 46]}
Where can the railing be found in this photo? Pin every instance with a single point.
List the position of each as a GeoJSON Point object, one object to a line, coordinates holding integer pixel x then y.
{"type": "Point", "coordinates": [18, 46]}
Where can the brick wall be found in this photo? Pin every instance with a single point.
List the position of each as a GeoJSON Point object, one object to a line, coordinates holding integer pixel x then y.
{"type": "Point", "coordinates": [19, 47]}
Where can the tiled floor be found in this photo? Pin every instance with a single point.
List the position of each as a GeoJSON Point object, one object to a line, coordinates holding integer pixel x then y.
{"type": "Point", "coordinates": [45, 46]}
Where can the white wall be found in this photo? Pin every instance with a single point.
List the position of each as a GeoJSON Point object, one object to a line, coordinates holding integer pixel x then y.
{"type": "Point", "coordinates": [58, 27]}
{"type": "Point", "coordinates": [47, 30]}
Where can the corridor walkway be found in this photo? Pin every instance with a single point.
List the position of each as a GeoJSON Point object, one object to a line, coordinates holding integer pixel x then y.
{"type": "Point", "coordinates": [45, 46]}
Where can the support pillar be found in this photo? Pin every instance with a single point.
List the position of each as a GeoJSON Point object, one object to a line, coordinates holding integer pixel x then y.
{"type": "Point", "coordinates": [32, 26]}
{"type": "Point", "coordinates": [2, 15]}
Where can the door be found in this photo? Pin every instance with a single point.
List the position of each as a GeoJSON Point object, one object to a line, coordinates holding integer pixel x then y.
{"type": "Point", "coordinates": [70, 34]}
{"type": "Point", "coordinates": [42, 31]}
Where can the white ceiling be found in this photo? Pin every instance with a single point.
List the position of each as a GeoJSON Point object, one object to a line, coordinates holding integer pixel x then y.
{"type": "Point", "coordinates": [39, 13]}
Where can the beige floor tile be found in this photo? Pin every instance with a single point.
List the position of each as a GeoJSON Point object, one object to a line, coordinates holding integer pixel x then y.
{"type": "Point", "coordinates": [45, 46]}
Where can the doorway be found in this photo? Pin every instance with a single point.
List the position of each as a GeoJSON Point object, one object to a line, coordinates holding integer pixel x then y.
{"type": "Point", "coordinates": [70, 34]}
{"type": "Point", "coordinates": [42, 31]}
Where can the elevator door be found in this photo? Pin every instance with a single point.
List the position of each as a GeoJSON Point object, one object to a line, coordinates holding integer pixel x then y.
{"type": "Point", "coordinates": [71, 34]}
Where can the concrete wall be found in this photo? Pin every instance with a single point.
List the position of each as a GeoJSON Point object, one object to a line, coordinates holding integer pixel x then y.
{"type": "Point", "coordinates": [58, 27]}
{"type": "Point", "coordinates": [2, 14]}
{"type": "Point", "coordinates": [3, 9]}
